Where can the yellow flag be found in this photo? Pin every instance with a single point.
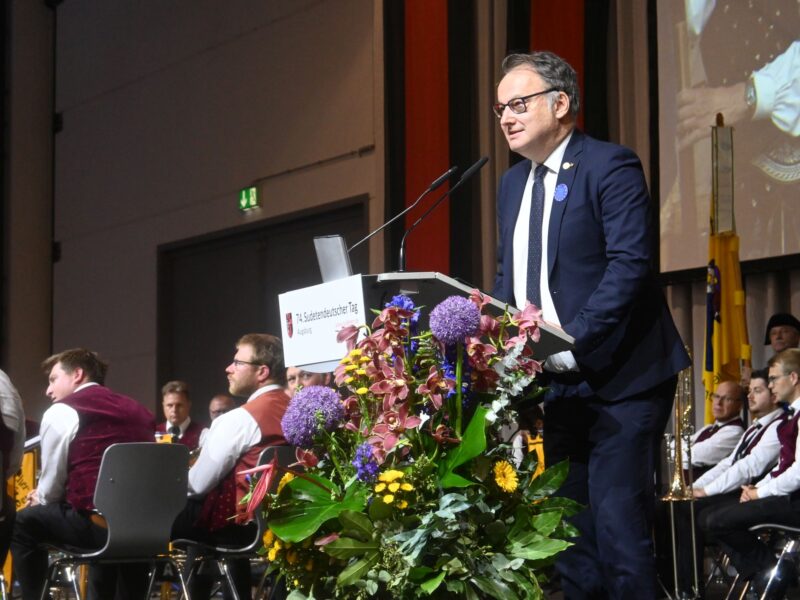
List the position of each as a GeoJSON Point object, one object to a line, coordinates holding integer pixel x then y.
{"type": "Point", "coordinates": [726, 343]}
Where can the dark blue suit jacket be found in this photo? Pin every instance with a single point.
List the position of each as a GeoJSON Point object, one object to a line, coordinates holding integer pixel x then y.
{"type": "Point", "coordinates": [600, 268]}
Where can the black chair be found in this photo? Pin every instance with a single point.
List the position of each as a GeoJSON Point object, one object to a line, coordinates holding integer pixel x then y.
{"type": "Point", "coordinates": [219, 555]}
{"type": "Point", "coordinates": [141, 488]}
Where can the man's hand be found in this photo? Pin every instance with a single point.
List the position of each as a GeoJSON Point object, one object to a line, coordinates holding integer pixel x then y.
{"type": "Point", "coordinates": [32, 499]}
{"type": "Point", "coordinates": [699, 493]}
{"type": "Point", "coordinates": [749, 492]}
{"type": "Point", "coordinates": [698, 108]}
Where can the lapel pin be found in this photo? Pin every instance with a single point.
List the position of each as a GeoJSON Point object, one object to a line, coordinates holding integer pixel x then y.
{"type": "Point", "coordinates": [561, 192]}
{"type": "Point", "coordinates": [567, 165]}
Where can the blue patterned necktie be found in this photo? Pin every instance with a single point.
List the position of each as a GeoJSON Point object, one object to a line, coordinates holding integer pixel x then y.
{"type": "Point", "coordinates": [535, 237]}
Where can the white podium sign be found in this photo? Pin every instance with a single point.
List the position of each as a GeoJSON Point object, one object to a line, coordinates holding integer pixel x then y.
{"type": "Point", "coordinates": [311, 317]}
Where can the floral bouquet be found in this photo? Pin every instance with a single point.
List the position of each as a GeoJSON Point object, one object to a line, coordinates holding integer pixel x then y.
{"type": "Point", "coordinates": [406, 486]}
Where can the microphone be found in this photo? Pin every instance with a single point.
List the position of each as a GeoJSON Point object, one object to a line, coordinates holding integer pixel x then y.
{"type": "Point", "coordinates": [437, 183]}
{"type": "Point", "coordinates": [477, 166]}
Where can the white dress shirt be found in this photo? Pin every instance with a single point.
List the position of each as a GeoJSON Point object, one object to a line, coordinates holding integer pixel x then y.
{"type": "Point", "coordinates": [563, 361]}
{"type": "Point", "coordinates": [788, 481]}
{"type": "Point", "coordinates": [712, 450]}
{"type": "Point", "coordinates": [230, 435]}
{"type": "Point", "coordinates": [729, 474]}
{"type": "Point", "coordinates": [58, 428]}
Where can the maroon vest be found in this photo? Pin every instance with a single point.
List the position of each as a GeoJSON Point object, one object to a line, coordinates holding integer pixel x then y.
{"type": "Point", "coordinates": [224, 501]}
{"type": "Point", "coordinates": [707, 433]}
{"type": "Point", "coordinates": [787, 436]}
{"type": "Point", "coordinates": [104, 418]}
{"type": "Point", "coordinates": [190, 437]}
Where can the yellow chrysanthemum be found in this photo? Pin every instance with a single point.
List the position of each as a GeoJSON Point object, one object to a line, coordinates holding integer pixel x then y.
{"type": "Point", "coordinates": [345, 361]}
{"type": "Point", "coordinates": [364, 359]}
{"type": "Point", "coordinates": [356, 352]}
{"type": "Point", "coordinates": [402, 504]}
{"type": "Point", "coordinates": [390, 475]}
{"type": "Point", "coordinates": [380, 487]}
{"type": "Point", "coordinates": [393, 487]}
{"type": "Point", "coordinates": [407, 487]}
{"type": "Point", "coordinates": [287, 477]}
{"type": "Point", "coordinates": [268, 538]}
{"type": "Point", "coordinates": [505, 476]}
{"type": "Point", "coordinates": [278, 544]}
{"type": "Point", "coordinates": [388, 499]}
{"type": "Point", "coordinates": [362, 390]}
{"type": "Point", "coordinates": [349, 380]}
{"type": "Point", "coordinates": [361, 372]}
{"type": "Point", "coordinates": [350, 368]}
{"type": "Point", "coordinates": [272, 554]}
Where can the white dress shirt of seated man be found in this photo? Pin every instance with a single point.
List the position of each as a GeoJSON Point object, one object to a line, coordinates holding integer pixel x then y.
{"type": "Point", "coordinates": [726, 406]}
{"type": "Point", "coordinates": [736, 470]}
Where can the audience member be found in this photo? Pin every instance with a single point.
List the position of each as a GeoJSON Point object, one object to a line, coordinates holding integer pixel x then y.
{"type": "Point", "coordinates": [233, 444]}
{"type": "Point", "coordinates": [12, 441]}
{"type": "Point", "coordinates": [84, 419]}
{"type": "Point", "coordinates": [754, 455]}
{"type": "Point", "coordinates": [774, 498]}
{"type": "Point", "coordinates": [297, 378]}
{"type": "Point", "coordinates": [219, 405]}
{"type": "Point", "coordinates": [177, 406]}
{"type": "Point", "coordinates": [783, 331]}
{"type": "Point", "coordinates": [715, 441]}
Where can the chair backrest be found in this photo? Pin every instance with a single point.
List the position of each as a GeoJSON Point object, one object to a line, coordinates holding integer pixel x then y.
{"type": "Point", "coordinates": [140, 490]}
{"type": "Point", "coordinates": [286, 456]}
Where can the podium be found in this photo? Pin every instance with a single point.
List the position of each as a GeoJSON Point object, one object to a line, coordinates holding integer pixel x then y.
{"type": "Point", "coordinates": [313, 315]}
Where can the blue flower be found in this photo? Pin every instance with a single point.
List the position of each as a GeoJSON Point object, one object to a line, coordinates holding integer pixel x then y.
{"type": "Point", "coordinates": [366, 466]}
{"type": "Point", "coordinates": [454, 319]}
{"type": "Point", "coordinates": [313, 409]}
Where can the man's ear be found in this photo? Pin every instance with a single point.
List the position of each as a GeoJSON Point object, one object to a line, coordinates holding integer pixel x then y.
{"type": "Point", "coordinates": [562, 105]}
{"type": "Point", "coordinates": [78, 376]}
{"type": "Point", "coordinates": [263, 373]}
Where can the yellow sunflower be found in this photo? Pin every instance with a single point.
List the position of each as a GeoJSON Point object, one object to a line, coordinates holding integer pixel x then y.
{"type": "Point", "coordinates": [505, 476]}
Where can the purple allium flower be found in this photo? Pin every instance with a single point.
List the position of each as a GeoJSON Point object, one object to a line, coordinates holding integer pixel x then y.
{"type": "Point", "coordinates": [311, 410]}
{"type": "Point", "coordinates": [454, 319]}
{"type": "Point", "coordinates": [365, 463]}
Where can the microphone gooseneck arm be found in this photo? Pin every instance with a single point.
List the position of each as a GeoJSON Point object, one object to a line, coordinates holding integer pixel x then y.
{"type": "Point", "coordinates": [437, 183]}
{"type": "Point", "coordinates": [477, 166]}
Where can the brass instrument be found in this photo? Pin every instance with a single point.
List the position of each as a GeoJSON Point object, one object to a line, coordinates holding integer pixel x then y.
{"type": "Point", "coordinates": [680, 490]}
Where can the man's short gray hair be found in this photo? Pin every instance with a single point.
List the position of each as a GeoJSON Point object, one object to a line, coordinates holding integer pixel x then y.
{"type": "Point", "coordinates": [554, 71]}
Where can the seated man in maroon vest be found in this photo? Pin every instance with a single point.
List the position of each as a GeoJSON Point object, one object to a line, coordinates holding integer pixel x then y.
{"type": "Point", "coordinates": [776, 497]}
{"type": "Point", "coordinates": [716, 441]}
{"type": "Point", "coordinates": [84, 419]}
{"type": "Point", "coordinates": [233, 443]}
{"type": "Point", "coordinates": [177, 406]}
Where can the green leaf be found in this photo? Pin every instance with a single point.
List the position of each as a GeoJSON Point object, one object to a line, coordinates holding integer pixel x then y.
{"type": "Point", "coordinates": [546, 522]}
{"type": "Point", "coordinates": [567, 506]}
{"type": "Point", "coordinates": [356, 525]}
{"type": "Point", "coordinates": [537, 547]}
{"type": "Point", "coordinates": [296, 522]}
{"type": "Point", "coordinates": [417, 573]}
{"type": "Point", "coordinates": [357, 570]}
{"type": "Point", "coordinates": [346, 547]}
{"type": "Point", "coordinates": [430, 586]}
{"type": "Point", "coordinates": [549, 481]}
{"type": "Point", "coordinates": [472, 444]}
{"type": "Point", "coordinates": [495, 588]}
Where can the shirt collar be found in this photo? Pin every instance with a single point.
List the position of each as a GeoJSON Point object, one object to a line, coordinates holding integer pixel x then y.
{"type": "Point", "coordinates": [553, 162]}
{"type": "Point", "coordinates": [264, 390]}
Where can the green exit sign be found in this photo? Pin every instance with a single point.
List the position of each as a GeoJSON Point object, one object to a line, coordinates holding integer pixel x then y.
{"type": "Point", "coordinates": [248, 199]}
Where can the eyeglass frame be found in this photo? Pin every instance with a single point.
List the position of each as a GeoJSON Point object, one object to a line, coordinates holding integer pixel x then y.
{"type": "Point", "coordinates": [238, 363]}
{"type": "Point", "coordinates": [499, 108]}
{"type": "Point", "coordinates": [773, 378]}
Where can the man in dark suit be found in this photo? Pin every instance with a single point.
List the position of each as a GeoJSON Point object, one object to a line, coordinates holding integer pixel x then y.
{"type": "Point", "coordinates": [576, 240]}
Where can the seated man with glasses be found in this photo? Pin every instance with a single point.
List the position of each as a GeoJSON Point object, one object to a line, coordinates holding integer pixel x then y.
{"type": "Point", "coordinates": [773, 499]}
{"type": "Point", "coordinates": [214, 513]}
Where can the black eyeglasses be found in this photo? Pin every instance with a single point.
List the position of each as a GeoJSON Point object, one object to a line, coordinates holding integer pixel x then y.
{"type": "Point", "coordinates": [518, 105]}
{"type": "Point", "coordinates": [238, 363]}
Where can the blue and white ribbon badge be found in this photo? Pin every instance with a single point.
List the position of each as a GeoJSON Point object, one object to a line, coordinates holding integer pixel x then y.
{"type": "Point", "coordinates": [561, 192]}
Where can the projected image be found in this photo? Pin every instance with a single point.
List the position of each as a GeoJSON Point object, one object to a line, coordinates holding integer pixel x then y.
{"type": "Point", "coordinates": [742, 59]}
